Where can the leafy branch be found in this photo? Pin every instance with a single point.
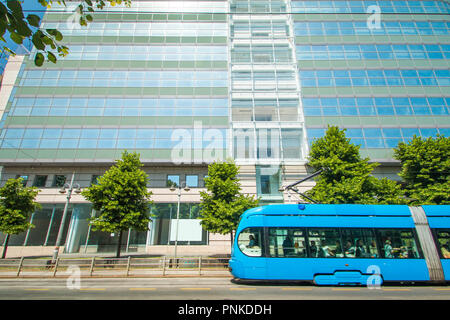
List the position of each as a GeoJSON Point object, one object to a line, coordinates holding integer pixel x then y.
{"type": "Point", "coordinates": [47, 42]}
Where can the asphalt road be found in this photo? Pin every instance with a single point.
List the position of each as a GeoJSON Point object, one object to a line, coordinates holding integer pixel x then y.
{"type": "Point", "coordinates": [202, 289]}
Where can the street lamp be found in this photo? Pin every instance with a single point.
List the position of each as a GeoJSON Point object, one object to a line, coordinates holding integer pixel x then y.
{"type": "Point", "coordinates": [70, 186]}
{"type": "Point", "coordinates": [173, 188]}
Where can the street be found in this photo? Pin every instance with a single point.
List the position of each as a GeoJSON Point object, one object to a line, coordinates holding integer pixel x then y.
{"type": "Point", "coordinates": [196, 288]}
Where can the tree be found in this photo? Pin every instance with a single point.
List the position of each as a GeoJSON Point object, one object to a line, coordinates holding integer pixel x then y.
{"type": "Point", "coordinates": [121, 198]}
{"type": "Point", "coordinates": [46, 41]}
{"type": "Point", "coordinates": [223, 204]}
{"type": "Point", "coordinates": [347, 177]}
{"type": "Point", "coordinates": [426, 169]}
{"type": "Point", "coordinates": [16, 205]}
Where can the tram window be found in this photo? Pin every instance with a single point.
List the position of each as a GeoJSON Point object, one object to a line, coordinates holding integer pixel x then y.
{"type": "Point", "coordinates": [443, 237]}
{"type": "Point", "coordinates": [250, 242]}
{"type": "Point", "coordinates": [359, 243]}
{"type": "Point", "coordinates": [325, 243]}
{"type": "Point", "coordinates": [398, 243]}
{"type": "Point", "coordinates": [287, 242]}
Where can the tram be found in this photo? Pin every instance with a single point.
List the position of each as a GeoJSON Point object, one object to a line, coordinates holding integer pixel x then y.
{"type": "Point", "coordinates": [344, 244]}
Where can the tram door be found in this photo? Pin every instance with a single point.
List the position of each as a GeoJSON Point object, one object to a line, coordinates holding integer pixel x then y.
{"type": "Point", "coordinates": [286, 248]}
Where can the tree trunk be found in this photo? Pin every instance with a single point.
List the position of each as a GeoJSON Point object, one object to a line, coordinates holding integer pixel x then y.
{"type": "Point", "coordinates": [5, 246]}
{"type": "Point", "coordinates": [119, 244]}
{"type": "Point", "coordinates": [231, 239]}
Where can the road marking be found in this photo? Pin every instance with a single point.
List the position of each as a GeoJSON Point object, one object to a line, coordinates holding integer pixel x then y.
{"type": "Point", "coordinates": [242, 289]}
{"type": "Point", "coordinates": [297, 289]}
{"type": "Point", "coordinates": [385, 289]}
{"type": "Point", "coordinates": [194, 289]}
{"type": "Point", "coordinates": [346, 289]}
{"type": "Point", "coordinates": [37, 289]}
{"type": "Point", "coordinates": [142, 289]}
{"type": "Point", "coordinates": [93, 289]}
{"type": "Point", "coordinates": [442, 289]}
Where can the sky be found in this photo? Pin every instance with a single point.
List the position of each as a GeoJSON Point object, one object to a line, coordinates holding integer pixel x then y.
{"type": "Point", "coordinates": [28, 6]}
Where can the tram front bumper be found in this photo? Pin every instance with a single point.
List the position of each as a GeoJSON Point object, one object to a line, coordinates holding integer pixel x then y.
{"type": "Point", "coordinates": [236, 268]}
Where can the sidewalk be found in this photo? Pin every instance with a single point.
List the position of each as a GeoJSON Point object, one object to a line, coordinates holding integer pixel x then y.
{"type": "Point", "coordinates": [104, 266]}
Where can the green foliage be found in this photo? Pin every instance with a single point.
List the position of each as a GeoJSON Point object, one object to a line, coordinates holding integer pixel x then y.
{"type": "Point", "coordinates": [426, 169]}
{"type": "Point", "coordinates": [46, 41]}
{"type": "Point", "coordinates": [16, 205]}
{"type": "Point", "coordinates": [121, 197]}
{"type": "Point", "coordinates": [347, 177]}
{"type": "Point", "coordinates": [223, 204]}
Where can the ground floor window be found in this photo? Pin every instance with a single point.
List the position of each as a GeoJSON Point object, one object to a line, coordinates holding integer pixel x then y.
{"type": "Point", "coordinates": [79, 237]}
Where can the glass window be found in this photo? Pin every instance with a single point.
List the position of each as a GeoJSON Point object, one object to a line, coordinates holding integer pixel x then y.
{"type": "Point", "coordinates": [40, 220]}
{"type": "Point", "coordinates": [375, 143]}
{"type": "Point", "coordinates": [94, 179]}
{"type": "Point", "coordinates": [32, 134]}
{"type": "Point", "coordinates": [410, 132]}
{"type": "Point", "coordinates": [428, 132]}
{"type": "Point", "coordinates": [51, 133]}
{"type": "Point", "coordinates": [70, 133]}
{"type": "Point", "coordinates": [14, 133]}
{"type": "Point", "coordinates": [54, 227]}
{"type": "Point", "coordinates": [265, 184]}
{"type": "Point", "coordinates": [173, 181]}
{"type": "Point", "coordinates": [192, 181]}
{"type": "Point", "coordinates": [39, 181]}
{"type": "Point", "coordinates": [392, 132]}
{"type": "Point", "coordinates": [398, 243]}
{"type": "Point", "coordinates": [372, 132]}
{"type": "Point", "coordinates": [24, 178]}
{"type": "Point", "coordinates": [287, 242]}
{"type": "Point", "coordinates": [59, 180]}
{"type": "Point", "coordinates": [359, 243]}
{"type": "Point", "coordinates": [324, 243]}
{"type": "Point", "coordinates": [443, 240]}
{"type": "Point", "coordinates": [250, 242]}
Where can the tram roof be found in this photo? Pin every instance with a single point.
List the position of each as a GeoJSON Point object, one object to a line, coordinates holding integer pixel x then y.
{"type": "Point", "coordinates": [437, 211]}
{"type": "Point", "coordinates": [342, 210]}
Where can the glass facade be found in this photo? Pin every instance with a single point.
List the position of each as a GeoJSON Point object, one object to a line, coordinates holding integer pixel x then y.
{"type": "Point", "coordinates": [266, 116]}
{"type": "Point", "coordinates": [379, 77]}
{"type": "Point", "coordinates": [137, 79]}
{"type": "Point", "coordinates": [78, 236]}
{"type": "Point", "coordinates": [184, 29]}
{"type": "Point", "coordinates": [147, 52]}
{"type": "Point", "coordinates": [136, 73]}
{"type": "Point", "coordinates": [86, 78]}
{"type": "Point", "coordinates": [360, 28]}
{"type": "Point", "coordinates": [185, 83]}
{"type": "Point", "coordinates": [373, 52]}
{"type": "Point", "coordinates": [380, 69]}
{"type": "Point", "coordinates": [129, 79]}
{"type": "Point", "coordinates": [369, 106]}
{"type": "Point", "coordinates": [362, 6]}
{"type": "Point", "coordinates": [117, 107]}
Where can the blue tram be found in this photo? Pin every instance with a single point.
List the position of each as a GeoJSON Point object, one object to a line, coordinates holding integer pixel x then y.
{"type": "Point", "coordinates": [343, 244]}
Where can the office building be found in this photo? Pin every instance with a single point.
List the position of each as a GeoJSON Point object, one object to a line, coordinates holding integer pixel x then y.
{"type": "Point", "coordinates": [185, 83]}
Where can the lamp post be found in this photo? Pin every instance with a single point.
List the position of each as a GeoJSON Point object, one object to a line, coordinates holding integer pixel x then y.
{"type": "Point", "coordinates": [173, 188]}
{"type": "Point", "coordinates": [70, 188]}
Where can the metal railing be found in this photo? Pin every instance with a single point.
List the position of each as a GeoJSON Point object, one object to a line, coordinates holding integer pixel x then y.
{"type": "Point", "coordinates": [114, 267]}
